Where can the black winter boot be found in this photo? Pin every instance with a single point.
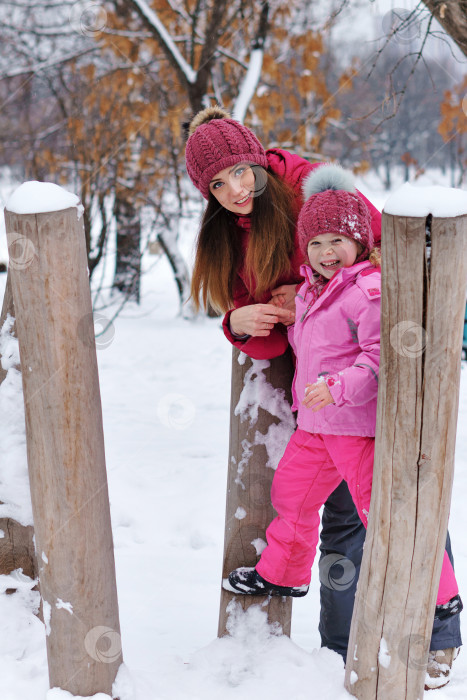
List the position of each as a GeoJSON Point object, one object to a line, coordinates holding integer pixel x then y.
{"type": "Point", "coordinates": [452, 607]}
{"type": "Point", "coordinates": [246, 580]}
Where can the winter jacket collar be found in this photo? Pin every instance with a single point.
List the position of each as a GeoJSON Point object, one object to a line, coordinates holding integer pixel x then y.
{"type": "Point", "coordinates": [340, 279]}
{"type": "Point", "coordinates": [244, 221]}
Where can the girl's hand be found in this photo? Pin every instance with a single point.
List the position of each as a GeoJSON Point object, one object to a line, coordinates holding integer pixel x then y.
{"type": "Point", "coordinates": [258, 319]}
{"type": "Point", "coordinates": [278, 301]}
{"type": "Point", "coordinates": [284, 296]}
{"type": "Point", "coordinates": [317, 396]}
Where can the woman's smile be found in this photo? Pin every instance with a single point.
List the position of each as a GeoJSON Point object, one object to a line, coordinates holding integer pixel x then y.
{"type": "Point", "coordinates": [244, 200]}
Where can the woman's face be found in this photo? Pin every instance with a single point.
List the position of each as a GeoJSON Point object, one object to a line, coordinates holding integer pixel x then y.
{"type": "Point", "coordinates": [234, 188]}
{"type": "Point", "coordinates": [329, 252]}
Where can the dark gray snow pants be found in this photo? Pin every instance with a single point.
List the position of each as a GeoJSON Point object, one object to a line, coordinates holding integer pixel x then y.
{"type": "Point", "coordinates": [342, 538]}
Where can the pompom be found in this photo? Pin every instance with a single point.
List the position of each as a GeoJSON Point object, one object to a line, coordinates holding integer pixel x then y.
{"type": "Point", "coordinates": [328, 177]}
{"type": "Point", "coordinates": [205, 116]}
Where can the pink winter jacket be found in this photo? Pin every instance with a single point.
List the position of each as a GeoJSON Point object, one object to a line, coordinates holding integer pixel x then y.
{"type": "Point", "coordinates": [337, 337]}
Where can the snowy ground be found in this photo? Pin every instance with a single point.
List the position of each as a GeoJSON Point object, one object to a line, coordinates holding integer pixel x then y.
{"type": "Point", "coordinates": [165, 386]}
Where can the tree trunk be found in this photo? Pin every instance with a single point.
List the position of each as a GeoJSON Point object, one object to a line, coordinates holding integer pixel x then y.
{"type": "Point", "coordinates": [180, 270]}
{"type": "Point", "coordinates": [387, 171]}
{"type": "Point", "coordinates": [8, 308]}
{"type": "Point", "coordinates": [128, 253]}
{"type": "Point", "coordinates": [423, 304]}
{"type": "Point", "coordinates": [249, 510]}
{"type": "Point", "coordinates": [452, 16]}
{"type": "Point", "coordinates": [16, 545]}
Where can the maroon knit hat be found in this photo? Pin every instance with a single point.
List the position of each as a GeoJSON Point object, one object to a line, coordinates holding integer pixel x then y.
{"type": "Point", "coordinates": [333, 206]}
{"type": "Point", "coordinates": [216, 141]}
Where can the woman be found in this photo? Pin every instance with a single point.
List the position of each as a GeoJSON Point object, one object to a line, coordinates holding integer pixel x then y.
{"type": "Point", "coordinates": [247, 253]}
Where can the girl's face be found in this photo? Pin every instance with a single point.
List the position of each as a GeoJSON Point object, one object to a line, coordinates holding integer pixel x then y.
{"type": "Point", "coordinates": [234, 188]}
{"type": "Point", "coordinates": [329, 252]}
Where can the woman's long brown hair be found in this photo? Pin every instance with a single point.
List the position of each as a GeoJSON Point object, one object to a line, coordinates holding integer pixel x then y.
{"type": "Point", "coordinates": [218, 257]}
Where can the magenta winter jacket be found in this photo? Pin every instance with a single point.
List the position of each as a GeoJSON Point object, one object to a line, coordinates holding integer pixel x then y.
{"type": "Point", "coordinates": [338, 338]}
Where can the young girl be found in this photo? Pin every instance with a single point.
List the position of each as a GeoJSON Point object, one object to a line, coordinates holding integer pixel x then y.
{"type": "Point", "coordinates": [336, 339]}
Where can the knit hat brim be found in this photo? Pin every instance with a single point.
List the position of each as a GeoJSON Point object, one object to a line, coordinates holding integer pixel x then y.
{"type": "Point", "coordinates": [333, 205]}
{"type": "Point", "coordinates": [227, 162]}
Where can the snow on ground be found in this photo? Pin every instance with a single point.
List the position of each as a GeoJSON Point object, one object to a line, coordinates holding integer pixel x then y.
{"type": "Point", "coordinates": [165, 385]}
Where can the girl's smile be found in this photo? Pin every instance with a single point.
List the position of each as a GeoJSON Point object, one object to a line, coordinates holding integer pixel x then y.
{"type": "Point", "coordinates": [329, 252]}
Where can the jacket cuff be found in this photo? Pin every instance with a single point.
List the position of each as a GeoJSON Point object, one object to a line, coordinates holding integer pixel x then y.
{"type": "Point", "coordinates": [244, 336]}
{"type": "Point", "coordinates": [334, 384]}
{"type": "Point", "coordinates": [229, 334]}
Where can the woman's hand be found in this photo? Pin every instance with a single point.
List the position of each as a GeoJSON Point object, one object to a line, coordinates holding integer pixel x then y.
{"type": "Point", "coordinates": [284, 296]}
{"type": "Point", "coordinates": [258, 319]}
{"type": "Point", "coordinates": [317, 396]}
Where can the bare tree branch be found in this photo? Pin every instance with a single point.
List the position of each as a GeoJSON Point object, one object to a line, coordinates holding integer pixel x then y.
{"type": "Point", "coordinates": [45, 65]}
{"type": "Point", "coordinates": [253, 74]}
{"type": "Point", "coordinates": [154, 24]}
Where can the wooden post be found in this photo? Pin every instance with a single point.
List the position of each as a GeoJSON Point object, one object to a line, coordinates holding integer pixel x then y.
{"type": "Point", "coordinates": [249, 510]}
{"type": "Point", "coordinates": [66, 450]}
{"type": "Point", "coordinates": [423, 301]}
{"type": "Point", "coordinates": [16, 546]}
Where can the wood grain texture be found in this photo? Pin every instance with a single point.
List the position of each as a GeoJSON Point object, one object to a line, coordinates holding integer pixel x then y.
{"type": "Point", "coordinates": [421, 336]}
{"type": "Point", "coordinates": [249, 488]}
{"type": "Point", "coordinates": [66, 450]}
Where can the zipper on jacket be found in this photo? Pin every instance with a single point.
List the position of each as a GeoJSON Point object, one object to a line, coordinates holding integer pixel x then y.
{"type": "Point", "coordinates": [309, 305]}
{"type": "Point", "coordinates": [306, 311]}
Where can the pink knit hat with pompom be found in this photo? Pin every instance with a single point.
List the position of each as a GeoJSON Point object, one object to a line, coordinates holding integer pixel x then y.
{"type": "Point", "coordinates": [216, 142]}
{"type": "Point", "coordinates": [333, 206]}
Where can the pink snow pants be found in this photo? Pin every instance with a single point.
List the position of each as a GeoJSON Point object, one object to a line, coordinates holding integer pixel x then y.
{"type": "Point", "coordinates": [311, 468]}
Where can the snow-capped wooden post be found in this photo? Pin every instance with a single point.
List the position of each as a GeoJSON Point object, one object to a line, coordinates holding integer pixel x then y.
{"type": "Point", "coordinates": [16, 544]}
{"type": "Point", "coordinates": [423, 297]}
{"type": "Point", "coordinates": [65, 443]}
{"type": "Point", "coordinates": [261, 423]}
